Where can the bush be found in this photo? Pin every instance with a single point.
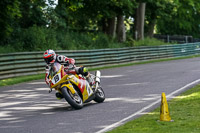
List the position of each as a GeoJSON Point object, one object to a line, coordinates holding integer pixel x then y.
{"type": "Point", "coordinates": [101, 41]}
{"type": "Point", "coordinates": [7, 49]}
{"type": "Point", "coordinates": [77, 41]}
{"type": "Point", "coordinates": [38, 38]}
{"type": "Point", "coordinates": [41, 38]}
{"type": "Point", "coordinates": [31, 39]}
{"type": "Point", "coordinates": [149, 42]}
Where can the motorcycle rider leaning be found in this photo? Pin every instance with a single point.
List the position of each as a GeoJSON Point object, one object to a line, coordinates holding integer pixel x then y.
{"type": "Point", "coordinates": [69, 65]}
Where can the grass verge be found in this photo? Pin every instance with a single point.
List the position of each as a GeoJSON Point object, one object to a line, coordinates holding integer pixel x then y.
{"type": "Point", "coordinates": [12, 81]}
{"type": "Point", "coordinates": [184, 110]}
{"type": "Point", "coordinates": [16, 80]}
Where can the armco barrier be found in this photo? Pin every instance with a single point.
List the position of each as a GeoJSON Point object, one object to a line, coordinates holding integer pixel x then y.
{"type": "Point", "coordinates": [29, 63]}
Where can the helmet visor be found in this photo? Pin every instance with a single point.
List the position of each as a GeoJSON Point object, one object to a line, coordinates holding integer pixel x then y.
{"type": "Point", "coordinates": [49, 60]}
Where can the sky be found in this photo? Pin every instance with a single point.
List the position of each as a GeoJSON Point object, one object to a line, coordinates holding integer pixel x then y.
{"type": "Point", "coordinates": [55, 3]}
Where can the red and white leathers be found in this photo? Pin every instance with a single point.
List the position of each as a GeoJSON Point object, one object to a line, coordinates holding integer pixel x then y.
{"type": "Point", "coordinates": [69, 66]}
{"type": "Point", "coordinates": [67, 62]}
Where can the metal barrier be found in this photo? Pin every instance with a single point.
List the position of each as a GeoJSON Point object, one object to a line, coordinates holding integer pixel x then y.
{"type": "Point", "coordinates": [30, 63]}
{"type": "Point", "coordinates": [175, 38]}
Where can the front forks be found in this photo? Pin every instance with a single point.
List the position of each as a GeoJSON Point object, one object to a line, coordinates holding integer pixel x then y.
{"type": "Point", "coordinates": [97, 79]}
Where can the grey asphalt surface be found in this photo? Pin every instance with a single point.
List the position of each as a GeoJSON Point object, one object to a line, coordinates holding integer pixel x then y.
{"type": "Point", "coordinates": [29, 108]}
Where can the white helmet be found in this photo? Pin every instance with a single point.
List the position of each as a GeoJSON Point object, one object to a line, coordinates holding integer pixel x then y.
{"type": "Point", "coordinates": [49, 56]}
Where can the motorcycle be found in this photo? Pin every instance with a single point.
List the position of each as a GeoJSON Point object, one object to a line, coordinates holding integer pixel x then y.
{"type": "Point", "coordinates": [74, 88]}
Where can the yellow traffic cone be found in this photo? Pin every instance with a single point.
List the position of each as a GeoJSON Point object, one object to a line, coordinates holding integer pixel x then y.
{"type": "Point", "coordinates": [164, 111]}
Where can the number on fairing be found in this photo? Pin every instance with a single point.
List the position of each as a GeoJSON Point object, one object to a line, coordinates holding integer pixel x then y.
{"type": "Point", "coordinates": [56, 78]}
{"type": "Point", "coordinates": [81, 82]}
{"type": "Point", "coordinates": [89, 90]}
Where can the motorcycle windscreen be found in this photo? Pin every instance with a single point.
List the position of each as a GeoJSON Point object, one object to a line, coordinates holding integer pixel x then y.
{"type": "Point", "coordinates": [54, 68]}
{"type": "Point", "coordinates": [56, 74]}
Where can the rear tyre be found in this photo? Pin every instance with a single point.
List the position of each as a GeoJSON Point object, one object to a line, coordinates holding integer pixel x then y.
{"type": "Point", "coordinates": [73, 99]}
{"type": "Point", "coordinates": [99, 96]}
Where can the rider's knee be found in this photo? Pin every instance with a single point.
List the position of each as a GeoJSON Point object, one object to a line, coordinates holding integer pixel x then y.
{"type": "Point", "coordinates": [83, 71]}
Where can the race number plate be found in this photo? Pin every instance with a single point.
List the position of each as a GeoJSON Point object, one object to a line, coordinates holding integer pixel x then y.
{"type": "Point", "coordinates": [56, 78]}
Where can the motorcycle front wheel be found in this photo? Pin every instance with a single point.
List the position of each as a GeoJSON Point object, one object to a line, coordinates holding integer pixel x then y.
{"type": "Point", "coordinates": [100, 95]}
{"type": "Point", "coordinates": [73, 99]}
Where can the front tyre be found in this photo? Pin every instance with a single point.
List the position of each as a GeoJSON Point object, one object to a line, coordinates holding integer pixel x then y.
{"type": "Point", "coordinates": [99, 96]}
{"type": "Point", "coordinates": [73, 99]}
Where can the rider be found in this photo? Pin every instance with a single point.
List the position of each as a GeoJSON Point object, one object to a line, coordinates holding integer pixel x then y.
{"type": "Point", "coordinates": [50, 57]}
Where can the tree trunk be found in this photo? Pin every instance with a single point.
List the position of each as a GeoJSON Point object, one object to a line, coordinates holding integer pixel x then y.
{"type": "Point", "coordinates": [139, 21]}
{"type": "Point", "coordinates": [111, 27]}
{"type": "Point", "coordinates": [121, 33]}
{"type": "Point", "coordinates": [104, 25]}
{"type": "Point", "coordinates": [151, 28]}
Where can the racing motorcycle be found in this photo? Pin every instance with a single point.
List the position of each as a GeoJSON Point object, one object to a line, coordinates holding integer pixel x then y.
{"type": "Point", "coordinates": [74, 88]}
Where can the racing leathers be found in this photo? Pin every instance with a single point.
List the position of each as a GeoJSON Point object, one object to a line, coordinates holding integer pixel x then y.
{"type": "Point", "coordinates": [69, 66]}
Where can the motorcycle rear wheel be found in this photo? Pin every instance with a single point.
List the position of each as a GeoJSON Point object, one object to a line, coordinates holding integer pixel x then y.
{"type": "Point", "coordinates": [73, 99]}
{"type": "Point", "coordinates": [100, 95]}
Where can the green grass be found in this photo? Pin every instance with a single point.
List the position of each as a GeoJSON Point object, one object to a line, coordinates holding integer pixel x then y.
{"type": "Point", "coordinates": [12, 81]}
{"type": "Point", "coordinates": [184, 110]}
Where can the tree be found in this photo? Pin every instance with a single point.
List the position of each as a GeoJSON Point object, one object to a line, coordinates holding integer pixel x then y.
{"type": "Point", "coordinates": [154, 10]}
{"type": "Point", "coordinates": [32, 13]}
{"type": "Point", "coordinates": [121, 35]}
{"type": "Point", "coordinates": [124, 8]}
{"type": "Point", "coordinates": [139, 21]}
{"type": "Point", "coordinates": [101, 15]}
{"type": "Point", "coordinates": [16, 15]}
{"type": "Point", "coordinates": [9, 14]}
{"type": "Point", "coordinates": [183, 20]}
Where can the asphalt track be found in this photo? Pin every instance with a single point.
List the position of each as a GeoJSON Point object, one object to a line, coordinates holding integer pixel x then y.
{"type": "Point", "coordinates": [130, 92]}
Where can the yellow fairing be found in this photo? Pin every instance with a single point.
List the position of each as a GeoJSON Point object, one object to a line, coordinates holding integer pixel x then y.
{"type": "Point", "coordinates": [75, 79]}
{"type": "Point", "coordinates": [70, 87]}
{"type": "Point", "coordinates": [61, 81]}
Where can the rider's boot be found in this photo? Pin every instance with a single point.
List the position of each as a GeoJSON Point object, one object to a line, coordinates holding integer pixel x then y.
{"type": "Point", "coordinates": [90, 81]}
{"type": "Point", "coordinates": [84, 71]}
{"type": "Point", "coordinates": [59, 95]}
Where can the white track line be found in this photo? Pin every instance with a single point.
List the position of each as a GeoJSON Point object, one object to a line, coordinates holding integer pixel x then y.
{"type": "Point", "coordinates": [171, 95]}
